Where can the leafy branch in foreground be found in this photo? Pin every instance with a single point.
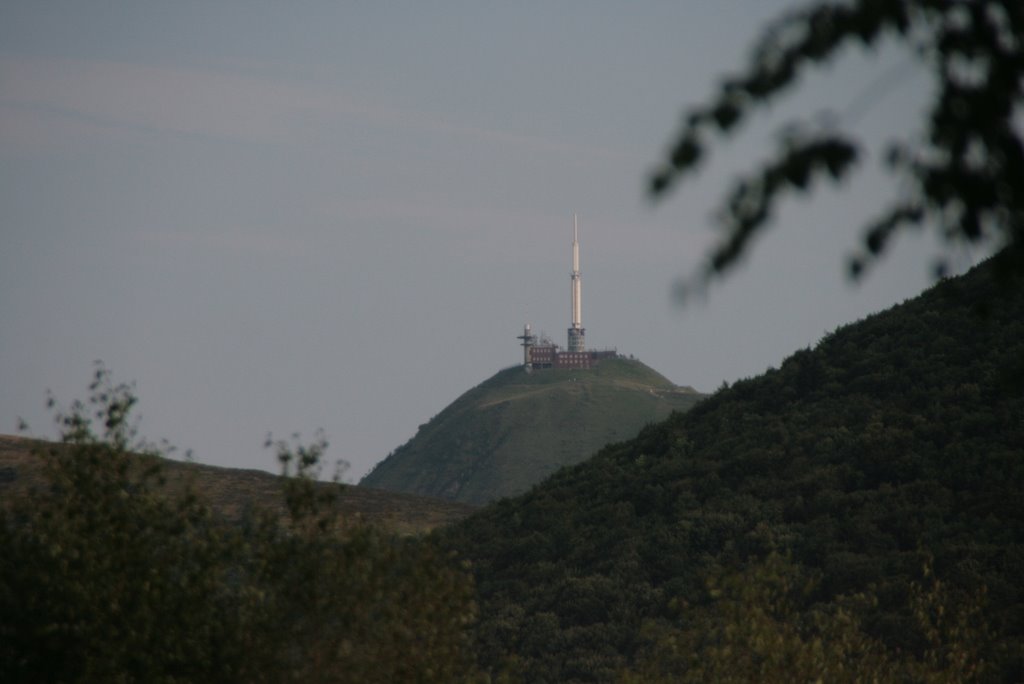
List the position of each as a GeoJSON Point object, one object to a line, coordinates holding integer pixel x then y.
{"type": "Point", "coordinates": [963, 177]}
{"type": "Point", "coordinates": [109, 575]}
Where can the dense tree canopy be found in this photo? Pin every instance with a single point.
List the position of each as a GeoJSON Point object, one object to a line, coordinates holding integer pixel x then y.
{"type": "Point", "coordinates": [759, 629]}
{"type": "Point", "coordinates": [965, 171]}
{"type": "Point", "coordinates": [106, 576]}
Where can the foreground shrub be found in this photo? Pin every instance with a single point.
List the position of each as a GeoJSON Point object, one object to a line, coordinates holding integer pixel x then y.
{"type": "Point", "coordinates": [106, 575]}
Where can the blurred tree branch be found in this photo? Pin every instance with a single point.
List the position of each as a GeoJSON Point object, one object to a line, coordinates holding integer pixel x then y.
{"type": "Point", "coordinates": [964, 176]}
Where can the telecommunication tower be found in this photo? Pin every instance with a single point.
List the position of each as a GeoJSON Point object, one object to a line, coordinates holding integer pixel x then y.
{"type": "Point", "coordinates": [576, 331]}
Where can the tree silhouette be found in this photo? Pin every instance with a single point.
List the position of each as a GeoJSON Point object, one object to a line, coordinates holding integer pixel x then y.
{"type": "Point", "coordinates": [965, 173]}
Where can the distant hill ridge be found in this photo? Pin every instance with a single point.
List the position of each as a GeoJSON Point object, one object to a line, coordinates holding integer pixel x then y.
{"type": "Point", "coordinates": [230, 492]}
{"type": "Point", "coordinates": [516, 428]}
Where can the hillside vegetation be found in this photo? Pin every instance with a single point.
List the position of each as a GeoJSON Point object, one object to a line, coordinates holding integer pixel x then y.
{"type": "Point", "coordinates": [516, 428]}
{"type": "Point", "coordinates": [856, 509]}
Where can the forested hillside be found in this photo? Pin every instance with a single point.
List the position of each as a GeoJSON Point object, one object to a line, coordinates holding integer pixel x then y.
{"type": "Point", "coordinates": [883, 466]}
{"type": "Point", "coordinates": [516, 428]}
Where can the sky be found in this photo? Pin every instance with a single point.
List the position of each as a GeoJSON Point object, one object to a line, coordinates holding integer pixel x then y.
{"type": "Point", "coordinates": [281, 217]}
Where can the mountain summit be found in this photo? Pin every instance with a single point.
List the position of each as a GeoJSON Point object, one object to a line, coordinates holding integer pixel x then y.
{"type": "Point", "coordinates": [516, 428]}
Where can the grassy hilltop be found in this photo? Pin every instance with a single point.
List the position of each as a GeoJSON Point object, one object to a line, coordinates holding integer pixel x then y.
{"type": "Point", "coordinates": [516, 428]}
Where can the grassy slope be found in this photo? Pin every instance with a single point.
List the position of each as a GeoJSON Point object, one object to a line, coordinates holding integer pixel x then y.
{"type": "Point", "coordinates": [515, 429]}
{"type": "Point", "coordinates": [230, 491]}
{"type": "Point", "coordinates": [898, 437]}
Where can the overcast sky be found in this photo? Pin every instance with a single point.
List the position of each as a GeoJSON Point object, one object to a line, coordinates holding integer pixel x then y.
{"type": "Point", "coordinates": [277, 217]}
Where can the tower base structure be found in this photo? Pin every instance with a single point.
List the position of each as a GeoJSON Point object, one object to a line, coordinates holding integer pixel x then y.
{"type": "Point", "coordinates": [576, 340]}
{"type": "Point", "coordinates": [529, 340]}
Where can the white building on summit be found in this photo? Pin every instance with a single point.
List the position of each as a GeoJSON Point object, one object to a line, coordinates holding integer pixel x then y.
{"type": "Point", "coordinates": [544, 353]}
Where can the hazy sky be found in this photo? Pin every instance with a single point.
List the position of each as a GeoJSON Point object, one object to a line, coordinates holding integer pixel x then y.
{"type": "Point", "coordinates": [274, 217]}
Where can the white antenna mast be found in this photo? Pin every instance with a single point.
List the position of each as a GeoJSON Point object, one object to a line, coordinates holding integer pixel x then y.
{"type": "Point", "coordinates": [576, 330]}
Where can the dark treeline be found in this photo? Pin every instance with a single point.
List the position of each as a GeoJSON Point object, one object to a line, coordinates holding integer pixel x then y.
{"type": "Point", "coordinates": [885, 464]}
